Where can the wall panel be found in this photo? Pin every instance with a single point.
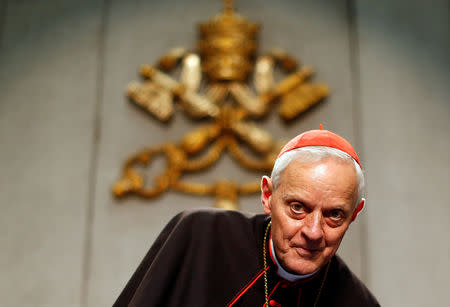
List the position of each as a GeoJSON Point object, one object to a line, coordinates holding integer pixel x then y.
{"type": "Point", "coordinates": [406, 140]}
{"type": "Point", "coordinates": [47, 97]}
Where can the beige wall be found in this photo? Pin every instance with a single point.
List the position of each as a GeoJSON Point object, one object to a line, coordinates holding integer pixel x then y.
{"type": "Point", "coordinates": [65, 128]}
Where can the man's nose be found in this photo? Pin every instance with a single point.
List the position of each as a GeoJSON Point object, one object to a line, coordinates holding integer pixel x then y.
{"type": "Point", "coordinates": [313, 228]}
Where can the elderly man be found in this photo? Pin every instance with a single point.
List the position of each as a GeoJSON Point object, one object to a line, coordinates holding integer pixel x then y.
{"type": "Point", "coordinates": [283, 258]}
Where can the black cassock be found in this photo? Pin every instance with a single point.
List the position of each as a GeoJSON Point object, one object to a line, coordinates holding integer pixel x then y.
{"type": "Point", "coordinates": [213, 257]}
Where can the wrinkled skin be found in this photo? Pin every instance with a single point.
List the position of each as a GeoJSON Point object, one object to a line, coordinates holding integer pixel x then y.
{"type": "Point", "coordinates": [311, 210]}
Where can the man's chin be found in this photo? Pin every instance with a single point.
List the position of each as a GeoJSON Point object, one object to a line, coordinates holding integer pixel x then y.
{"type": "Point", "coordinates": [303, 261]}
{"type": "Point", "coordinates": [302, 267]}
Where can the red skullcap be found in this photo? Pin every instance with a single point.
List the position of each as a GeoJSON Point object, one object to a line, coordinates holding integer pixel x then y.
{"type": "Point", "coordinates": [320, 138]}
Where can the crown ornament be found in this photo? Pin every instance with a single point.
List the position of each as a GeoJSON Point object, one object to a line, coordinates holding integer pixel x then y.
{"type": "Point", "coordinates": [228, 45]}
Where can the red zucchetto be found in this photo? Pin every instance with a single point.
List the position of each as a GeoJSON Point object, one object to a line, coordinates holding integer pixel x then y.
{"type": "Point", "coordinates": [320, 138]}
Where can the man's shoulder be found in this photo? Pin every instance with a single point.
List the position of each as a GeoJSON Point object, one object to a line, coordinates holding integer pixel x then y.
{"type": "Point", "coordinates": [209, 215]}
{"type": "Point", "coordinates": [342, 272]}
{"type": "Point", "coordinates": [349, 285]}
{"type": "Point", "coordinates": [229, 225]}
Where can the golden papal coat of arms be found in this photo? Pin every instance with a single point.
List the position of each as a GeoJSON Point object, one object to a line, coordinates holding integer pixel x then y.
{"type": "Point", "coordinates": [225, 82]}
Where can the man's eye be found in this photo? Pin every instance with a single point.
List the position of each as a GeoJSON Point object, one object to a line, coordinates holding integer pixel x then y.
{"type": "Point", "coordinates": [297, 208]}
{"type": "Point", "coordinates": [336, 214]}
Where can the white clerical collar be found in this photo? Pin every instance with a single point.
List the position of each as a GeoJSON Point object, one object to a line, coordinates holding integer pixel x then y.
{"type": "Point", "coordinates": [285, 274]}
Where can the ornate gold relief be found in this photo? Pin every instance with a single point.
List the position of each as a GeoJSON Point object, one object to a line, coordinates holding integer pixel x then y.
{"type": "Point", "coordinates": [213, 84]}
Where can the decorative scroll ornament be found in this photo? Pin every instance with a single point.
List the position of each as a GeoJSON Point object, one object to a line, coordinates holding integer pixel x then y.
{"type": "Point", "coordinates": [225, 58]}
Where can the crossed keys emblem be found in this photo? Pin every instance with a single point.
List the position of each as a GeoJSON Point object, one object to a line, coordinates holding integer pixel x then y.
{"type": "Point", "coordinates": [225, 82]}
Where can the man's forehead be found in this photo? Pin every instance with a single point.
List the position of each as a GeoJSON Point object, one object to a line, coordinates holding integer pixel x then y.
{"type": "Point", "coordinates": [319, 168]}
{"type": "Point", "coordinates": [329, 175]}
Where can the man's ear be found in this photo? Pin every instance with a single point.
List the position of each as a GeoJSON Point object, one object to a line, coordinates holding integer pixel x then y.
{"type": "Point", "coordinates": [266, 194]}
{"type": "Point", "coordinates": [358, 209]}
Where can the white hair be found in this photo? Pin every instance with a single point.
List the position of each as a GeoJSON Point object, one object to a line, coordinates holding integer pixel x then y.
{"type": "Point", "coordinates": [316, 154]}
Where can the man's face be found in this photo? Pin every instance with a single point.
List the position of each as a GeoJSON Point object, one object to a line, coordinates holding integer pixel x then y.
{"type": "Point", "coordinates": [311, 210]}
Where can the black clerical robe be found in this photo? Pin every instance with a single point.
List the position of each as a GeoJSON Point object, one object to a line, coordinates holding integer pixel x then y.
{"type": "Point", "coordinates": [213, 257]}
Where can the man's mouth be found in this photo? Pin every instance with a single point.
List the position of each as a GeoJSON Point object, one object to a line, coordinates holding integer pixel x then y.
{"type": "Point", "coordinates": [307, 252]}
